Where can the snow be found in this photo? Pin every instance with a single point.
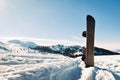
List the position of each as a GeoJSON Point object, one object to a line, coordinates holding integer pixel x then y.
{"type": "Point", "coordinates": [23, 64]}
{"type": "Point", "coordinates": [35, 66]}
{"type": "Point", "coordinates": [78, 53]}
{"type": "Point", "coordinates": [23, 43]}
{"type": "Point", "coordinates": [29, 66]}
{"type": "Point", "coordinates": [4, 47]}
{"type": "Point", "coordinates": [57, 47]}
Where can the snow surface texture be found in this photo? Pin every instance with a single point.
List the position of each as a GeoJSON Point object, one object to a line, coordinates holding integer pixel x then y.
{"type": "Point", "coordinates": [38, 67]}
{"type": "Point", "coordinates": [56, 67]}
{"type": "Point", "coordinates": [24, 64]}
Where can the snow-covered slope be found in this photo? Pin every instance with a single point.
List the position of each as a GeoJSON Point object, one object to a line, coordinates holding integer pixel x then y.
{"type": "Point", "coordinates": [56, 67]}
{"type": "Point", "coordinates": [4, 47]}
{"type": "Point", "coordinates": [23, 43]}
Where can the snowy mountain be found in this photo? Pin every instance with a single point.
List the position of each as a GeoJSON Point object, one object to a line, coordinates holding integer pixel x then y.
{"type": "Point", "coordinates": [72, 50]}
{"type": "Point", "coordinates": [23, 43]}
{"type": "Point", "coordinates": [29, 46]}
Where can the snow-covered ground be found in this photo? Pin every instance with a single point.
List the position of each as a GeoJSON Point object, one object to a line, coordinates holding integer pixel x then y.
{"type": "Point", "coordinates": [18, 62]}
{"type": "Point", "coordinates": [25, 66]}
{"type": "Point", "coordinates": [37, 67]}
{"type": "Point", "coordinates": [106, 68]}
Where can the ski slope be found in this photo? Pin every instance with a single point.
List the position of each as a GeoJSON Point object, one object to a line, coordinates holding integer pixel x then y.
{"type": "Point", "coordinates": [24, 66]}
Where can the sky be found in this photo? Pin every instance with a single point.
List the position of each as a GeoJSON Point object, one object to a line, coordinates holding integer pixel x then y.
{"type": "Point", "coordinates": [61, 20]}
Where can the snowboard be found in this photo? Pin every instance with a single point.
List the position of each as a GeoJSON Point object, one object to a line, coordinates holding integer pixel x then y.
{"type": "Point", "coordinates": [90, 21]}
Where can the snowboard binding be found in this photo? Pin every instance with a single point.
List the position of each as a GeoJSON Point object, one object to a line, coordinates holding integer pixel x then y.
{"type": "Point", "coordinates": [84, 34]}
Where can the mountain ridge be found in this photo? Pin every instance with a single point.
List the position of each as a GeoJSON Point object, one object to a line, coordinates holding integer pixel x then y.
{"type": "Point", "coordinates": [71, 51]}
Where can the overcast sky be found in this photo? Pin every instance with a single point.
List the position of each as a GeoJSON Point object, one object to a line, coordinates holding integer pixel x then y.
{"type": "Point", "coordinates": [61, 20]}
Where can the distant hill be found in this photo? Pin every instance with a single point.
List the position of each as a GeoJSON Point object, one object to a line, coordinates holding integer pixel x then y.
{"type": "Point", "coordinates": [71, 50]}
{"type": "Point", "coordinates": [101, 51]}
{"type": "Point", "coordinates": [18, 46]}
